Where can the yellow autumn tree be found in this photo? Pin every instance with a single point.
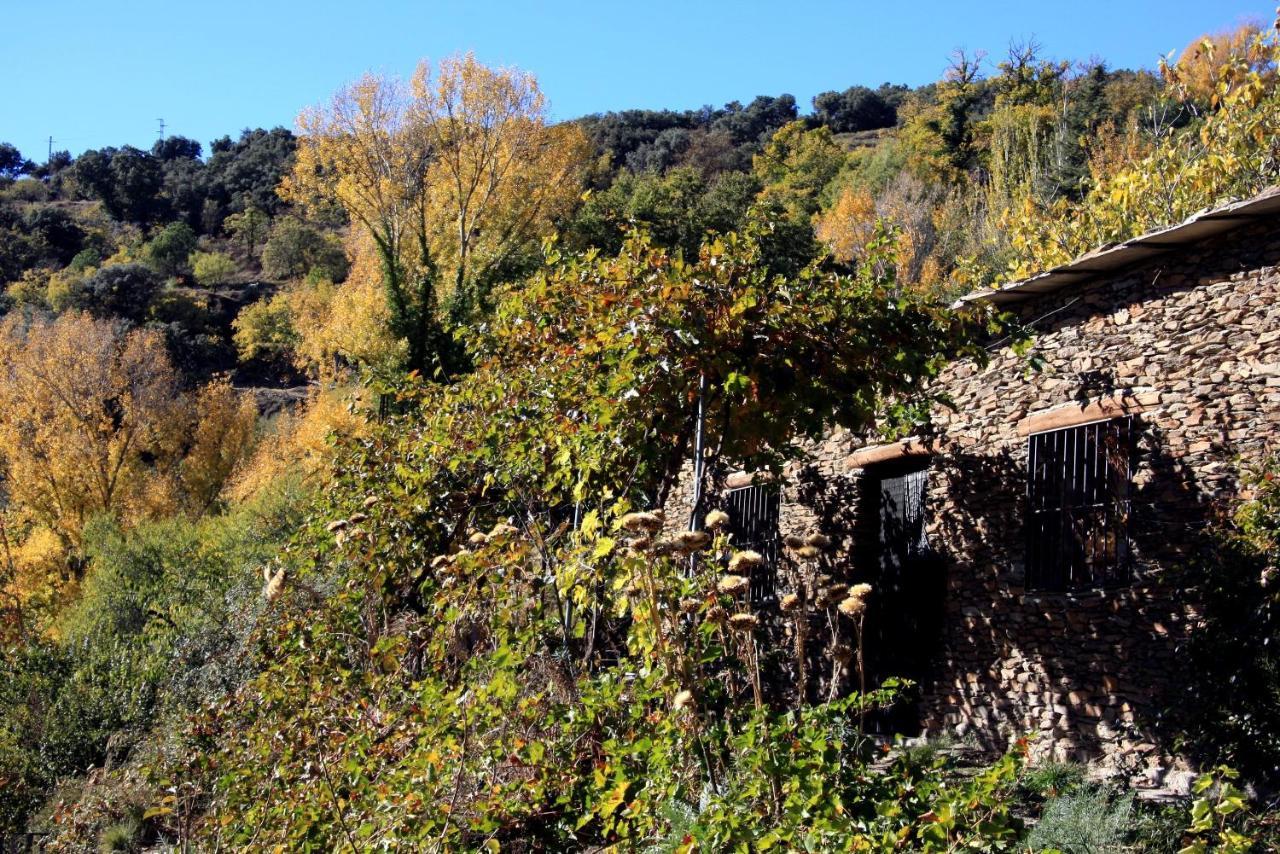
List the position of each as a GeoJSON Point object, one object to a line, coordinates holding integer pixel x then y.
{"type": "Point", "coordinates": [92, 420]}
{"type": "Point", "coordinates": [447, 174]}
{"type": "Point", "coordinates": [1201, 64]}
{"type": "Point", "coordinates": [1232, 153]}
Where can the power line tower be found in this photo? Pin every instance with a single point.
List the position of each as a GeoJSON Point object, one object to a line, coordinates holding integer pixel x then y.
{"type": "Point", "coordinates": [50, 155]}
{"type": "Point", "coordinates": [161, 134]}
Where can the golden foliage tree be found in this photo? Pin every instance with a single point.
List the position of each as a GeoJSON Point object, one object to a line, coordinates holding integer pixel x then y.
{"type": "Point", "coordinates": [1232, 153]}
{"type": "Point", "coordinates": [92, 420]}
{"type": "Point", "coordinates": [448, 173]}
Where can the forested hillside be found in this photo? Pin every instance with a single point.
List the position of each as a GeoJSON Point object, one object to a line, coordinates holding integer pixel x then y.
{"type": "Point", "coordinates": [329, 458]}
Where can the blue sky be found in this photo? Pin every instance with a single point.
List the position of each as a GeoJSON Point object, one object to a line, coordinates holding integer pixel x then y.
{"type": "Point", "coordinates": [94, 73]}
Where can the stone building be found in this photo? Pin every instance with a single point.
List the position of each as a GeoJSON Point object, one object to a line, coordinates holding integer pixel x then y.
{"type": "Point", "coordinates": [1024, 552]}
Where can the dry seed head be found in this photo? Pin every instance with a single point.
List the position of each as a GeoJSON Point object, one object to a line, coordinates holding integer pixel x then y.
{"type": "Point", "coordinates": [842, 653]}
{"type": "Point", "coordinates": [692, 540]}
{"type": "Point", "coordinates": [689, 605]}
{"type": "Point", "coordinates": [717, 615]}
{"type": "Point", "coordinates": [665, 547]}
{"type": "Point", "coordinates": [274, 586]}
{"type": "Point", "coordinates": [642, 521]}
{"type": "Point", "coordinates": [793, 541]}
{"type": "Point", "coordinates": [478, 538]}
{"type": "Point", "coordinates": [836, 591]}
{"type": "Point", "coordinates": [853, 606]}
{"type": "Point", "coordinates": [717, 519]}
{"type": "Point", "coordinates": [809, 552]}
{"type": "Point", "coordinates": [336, 525]}
{"type": "Point", "coordinates": [682, 700]}
{"type": "Point", "coordinates": [502, 529]}
{"type": "Point", "coordinates": [733, 584]}
{"type": "Point", "coordinates": [743, 622]}
{"type": "Point", "coordinates": [357, 518]}
{"type": "Point", "coordinates": [790, 603]}
{"type": "Point", "coordinates": [745, 561]}
{"type": "Point", "coordinates": [860, 591]}
{"type": "Point", "coordinates": [439, 561]}
{"type": "Point", "coordinates": [640, 543]}
{"type": "Point", "coordinates": [820, 541]}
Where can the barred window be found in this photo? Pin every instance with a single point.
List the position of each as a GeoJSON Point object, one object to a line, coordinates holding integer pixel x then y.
{"type": "Point", "coordinates": [1078, 493]}
{"type": "Point", "coordinates": [754, 513]}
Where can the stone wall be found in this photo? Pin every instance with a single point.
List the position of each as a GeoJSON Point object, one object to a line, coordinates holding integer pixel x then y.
{"type": "Point", "coordinates": [1192, 343]}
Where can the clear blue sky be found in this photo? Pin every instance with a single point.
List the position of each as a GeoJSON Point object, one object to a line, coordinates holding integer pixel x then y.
{"type": "Point", "coordinates": [94, 73]}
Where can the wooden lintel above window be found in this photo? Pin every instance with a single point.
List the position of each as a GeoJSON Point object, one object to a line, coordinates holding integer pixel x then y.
{"type": "Point", "coordinates": [873, 454]}
{"type": "Point", "coordinates": [1095, 409]}
{"type": "Point", "coordinates": [739, 479]}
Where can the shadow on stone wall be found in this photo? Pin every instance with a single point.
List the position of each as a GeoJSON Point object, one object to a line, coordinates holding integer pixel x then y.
{"type": "Point", "coordinates": [1094, 672]}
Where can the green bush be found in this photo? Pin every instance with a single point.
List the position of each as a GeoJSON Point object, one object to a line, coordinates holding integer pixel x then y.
{"type": "Point", "coordinates": [161, 626]}
{"type": "Point", "coordinates": [1052, 779]}
{"type": "Point", "coordinates": [213, 268]}
{"type": "Point", "coordinates": [169, 251]}
{"type": "Point", "coordinates": [1091, 820]}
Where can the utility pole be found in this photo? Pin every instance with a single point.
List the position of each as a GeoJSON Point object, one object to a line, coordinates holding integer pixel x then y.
{"type": "Point", "coordinates": [161, 121]}
{"type": "Point", "coordinates": [50, 155]}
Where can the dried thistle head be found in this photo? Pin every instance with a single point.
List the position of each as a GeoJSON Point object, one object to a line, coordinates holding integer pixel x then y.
{"type": "Point", "coordinates": [274, 586]}
{"type": "Point", "coordinates": [717, 615]}
{"type": "Point", "coordinates": [860, 591]}
{"type": "Point", "coordinates": [743, 622]}
{"type": "Point", "coordinates": [640, 543]}
{"type": "Point", "coordinates": [793, 541]}
{"type": "Point", "coordinates": [733, 584]}
{"type": "Point", "coordinates": [852, 607]}
{"type": "Point", "coordinates": [790, 603]}
{"type": "Point", "coordinates": [439, 561]}
{"type": "Point", "coordinates": [808, 552]}
{"type": "Point", "coordinates": [336, 525]}
{"type": "Point", "coordinates": [479, 538]}
{"type": "Point", "coordinates": [818, 541]}
{"type": "Point", "coordinates": [683, 700]}
{"type": "Point", "coordinates": [716, 519]}
{"type": "Point", "coordinates": [642, 521]}
{"type": "Point", "coordinates": [665, 547]}
{"type": "Point", "coordinates": [690, 605]}
{"type": "Point", "coordinates": [836, 591]}
{"type": "Point", "coordinates": [357, 518]}
{"type": "Point", "coordinates": [745, 561]}
{"type": "Point", "coordinates": [503, 530]}
{"type": "Point", "coordinates": [690, 541]}
{"type": "Point", "coordinates": [842, 653]}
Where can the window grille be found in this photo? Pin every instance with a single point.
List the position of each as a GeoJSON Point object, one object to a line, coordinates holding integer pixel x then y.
{"type": "Point", "coordinates": [754, 513]}
{"type": "Point", "coordinates": [1078, 494]}
{"type": "Point", "coordinates": [902, 519]}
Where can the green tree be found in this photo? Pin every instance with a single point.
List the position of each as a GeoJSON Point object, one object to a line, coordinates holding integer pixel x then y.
{"type": "Point", "coordinates": [296, 249]}
{"type": "Point", "coordinates": [213, 268]}
{"type": "Point", "coordinates": [796, 166]}
{"type": "Point", "coordinates": [170, 250]}
{"type": "Point", "coordinates": [249, 228]}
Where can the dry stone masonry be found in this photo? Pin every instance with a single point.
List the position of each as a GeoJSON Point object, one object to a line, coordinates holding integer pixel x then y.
{"type": "Point", "coordinates": [1188, 345]}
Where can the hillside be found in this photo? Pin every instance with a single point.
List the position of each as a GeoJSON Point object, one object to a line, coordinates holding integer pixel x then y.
{"type": "Point", "coordinates": [332, 462]}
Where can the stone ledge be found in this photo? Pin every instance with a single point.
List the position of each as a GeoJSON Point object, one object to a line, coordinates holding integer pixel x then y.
{"type": "Point", "coordinates": [1097, 409]}
{"type": "Point", "coordinates": [893, 451]}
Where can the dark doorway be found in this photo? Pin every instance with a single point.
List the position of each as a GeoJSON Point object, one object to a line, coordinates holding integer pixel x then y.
{"type": "Point", "coordinates": [904, 616]}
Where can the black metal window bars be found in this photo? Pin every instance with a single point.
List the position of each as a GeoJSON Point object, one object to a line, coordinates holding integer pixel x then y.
{"type": "Point", "coordinates": [1079, 502]}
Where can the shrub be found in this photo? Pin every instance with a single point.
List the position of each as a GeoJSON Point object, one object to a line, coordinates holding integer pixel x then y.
{"type": "Point", "coordinates": [1091, 820]}
{"type": "Point", "coordinates": [1053, 779]}
{"type": "Point", "coordinates": [213, 268]}
{"type": "Point", "coordinates": [121, 290]}
{"type": "Point", "coordinates": [296, 249]}
{"type": "Point", "coordinates": [169, 251]}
